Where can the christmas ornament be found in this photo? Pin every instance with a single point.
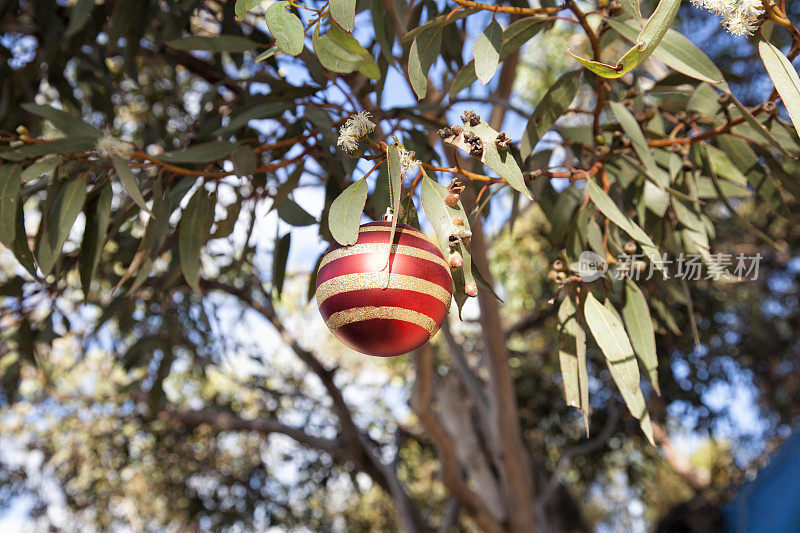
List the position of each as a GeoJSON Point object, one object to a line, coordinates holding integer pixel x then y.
{"type": "Point", "coordinates": [378, 309]}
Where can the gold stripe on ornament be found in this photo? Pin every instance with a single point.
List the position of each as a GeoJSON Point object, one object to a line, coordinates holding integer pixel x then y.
{"type": "Point", "coordinates": [377, 280]}
{"type": "Point", "coordinates": [359, 314]}
{"type": "Point", "coordinates": [413, 231]}
{"type": "Point", "coordinates": [378, 247]}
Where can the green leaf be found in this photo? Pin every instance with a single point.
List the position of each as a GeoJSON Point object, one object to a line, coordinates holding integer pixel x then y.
{"type": "Point", "coordinates": [634, 132]}
{"type": "Point", "coordinates": [21, 247]}
{"type": "Point", "coordinates": [286, 28]}
{"type": "Point", "coordinates": [608, 332]}
{"type": "Point", "coordinates": [395, 192]}
{"type": "Point", "coordinates": [724, 167]}
{"type": "Point", "coordinates": [226, 225]}
{"type": "Point", "coordinates": [612, 339]}
{"type": "Point", "coordinates": [552, 105]}
{"type": "Point", "coordinates": [500, 161]}
{"type": "Point", "coordinates": [62, 212]}
{"type": "Point", "coordinates": [421, 57]}
{"type": "Point", "coordinates": [78, 16]}
{"type": "Point", "coordinates": [280, 254]}
{"type": "Point", "coordinates": [128, 180]}
{"type": "Point", "coordinates": [243, 6]}
{"type": "Point", "coordinates": [266, 54]}
{"type": "Point", "coordinates": [633, 9]}
{"type": "Point", "coordinates": [294, 215]}
{"type": "Point", "coordinates": [368, 66]}
{"type": "Point", "coordinates": [98, 214]}
{"type": "Point", "coordinates": [234, 44]}
{"type": "Point", "coordinates": [447, 18]}
{"type": "Point", "coordinates": [256, 112]}
{"type": "Point", "coordinates": [71, 126]}
{"type": "Point", "coordinates": [704, 100]}
{"type": "Point", "coordinates": [640, 327]}
{"type": "Point", "coordinates": [759, 131]}
{"type": "Point", "coordinates": [245, 162]}
{"type": "Point", "coordinates": [333, 56]}
{"type": "Point", "coordinates": [10, 185]}
{"type": "Point", "coordinates": [678, 52]}
{"type": "Point", "coordinates": [572, 357]}
{"type": "Point", "coordinates": [59, 146]}
{"type": "Point", "coordinates": [344, 216]}
{"type": "Point", "coordinates": [383, 26]}
{"type": "Point", "coordinates": [44, 166]}
{"type": "Point", "coordinates": [193, 231]}
{"type": "Point", "coordinates": [785, 78]}
{"type": "Point", "coordinates": [646, 43]}
{"type": "Point", "coordinates": [440, 215]}
{"type": "Point", "coordinates": [344, 13]}
{"type": "Point", "coordinates": [199, 153]}
{"type": "Point", "coordinates": [517, 34]}
{"type": "Point", "coordinates": [486, 51]}
{"type": "Point", "coordinates": [607, 206]}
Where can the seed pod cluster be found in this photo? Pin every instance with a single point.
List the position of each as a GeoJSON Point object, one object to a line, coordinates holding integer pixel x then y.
{"type": "Point", "coordinates": [475, 144]}
{"type": "Point", "coordinates": [471, 118]}
{"type": "Point", "coordinates": [501, 141]}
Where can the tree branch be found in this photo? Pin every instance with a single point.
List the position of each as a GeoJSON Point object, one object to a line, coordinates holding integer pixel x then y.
{"type": "Point", "coordinates": [358, 447]}
{"type": "Point", "coordinates": [451, 477]}
{"type": "Point", "coordinates": [229, 421]}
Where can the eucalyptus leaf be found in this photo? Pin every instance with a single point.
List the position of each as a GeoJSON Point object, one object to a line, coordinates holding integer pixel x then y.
{"type": "Point", "coordinates": [785, 78]}
{"type": "Point", "coordinates": [245, 162]}
{"type": "Point", "coordinates": [199, 153]}
{"type": "Point", "coordinates": [63, 210]}
{"type": "Point", "coordinates": [98, 215]}
{"type": "Point", "coordinates": [486, 51]}
{"type": "Point", "coordinates": [639, 323]}
{"type": "Point", "coordinates": [67, 145]}
{"type": "Point", "coordinates": [193, 231]}
{"type": "Point", "coordinates": [234, 44]}
{"type": "Point", "coordinates": [333, 56]}
{"type": "Point", "coordinates": [46, 165]}
{"type": "Point", "coordinates": [344, 13]}
{"type": "Point", "coordinates": [678, 52]}
{"type": "Point", "coordinates": [344, 216]}
{"type": "Point", "coordinates": [128, 180]}
{"type": "Point", "coordinates": [646, 43]}
{"type": "Point", "coordinates": [291, 213]}
{"type": "Point", "coordinates": [572, 357]}
{"type": "Point", "coordinates": [10, 185]}
{"type": "Point", "coordinates": [280, 254]}
{"type": "Point", "coordinates": [421, 56]}
{"type": "Point", "coordinates": [552, 105]}
{"type": "Point", "coordinates": [78, 16]}
{"type": "Point", "coordinates": [441, 216]}
{"type": "Point", "coordinates": [71, 126]}
{"type": "Point", "coordinates": [286, 28]}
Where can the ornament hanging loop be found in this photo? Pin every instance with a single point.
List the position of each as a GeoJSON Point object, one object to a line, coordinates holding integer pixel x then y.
{"type": "Point", "coordinates": [388, 216]}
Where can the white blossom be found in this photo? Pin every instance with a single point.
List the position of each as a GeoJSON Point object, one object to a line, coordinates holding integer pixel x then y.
{"type": "Point", "coordinates": [407, 161]}
{"type": "Point", "coordinates": [739, 17]}
{"type": "Point", "coordinates": [108, 145]}
{"type": "Point", "coordinates": [360, 124]}
{"type": "Point", "coordinates": [356, 129]}
{"type": "Point", "coordinates": [347, 140]}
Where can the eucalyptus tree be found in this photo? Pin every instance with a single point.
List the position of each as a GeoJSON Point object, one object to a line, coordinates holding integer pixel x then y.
{"type": "Point", "coordinates": [144, 142]}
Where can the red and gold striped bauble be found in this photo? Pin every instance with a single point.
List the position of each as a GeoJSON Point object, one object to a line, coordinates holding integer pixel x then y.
{"type": "Point", "coordinates": [379, 319]}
